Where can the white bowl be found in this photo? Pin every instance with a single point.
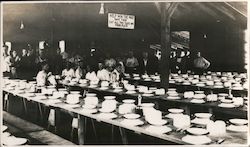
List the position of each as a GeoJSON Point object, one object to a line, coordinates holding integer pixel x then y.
{"type": "Point", "coordinates": [131, 116]}
{"type": "Point", "coordinates": [238, 122]}
{"type": "Point", "coordinates": [197, 131]}
{"type": "Point", "coordinates": [174, 110]}
{"type": "Point", "coordinates": [203, 115]}
{"type": "Point", "coordinates": [109, 97]}
{"type": "Point", "coordinates": [74, 92]}
{"type": "Point", "coordinates": [129, 101]}
{"type": "Point", "coordinates": [158, 122]}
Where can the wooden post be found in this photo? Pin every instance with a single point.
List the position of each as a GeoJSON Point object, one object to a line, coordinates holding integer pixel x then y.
{"type": "Point", "coordinates": [167, 10]}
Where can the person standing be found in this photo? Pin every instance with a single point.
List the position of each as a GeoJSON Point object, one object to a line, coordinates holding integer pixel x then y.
{"type": "Point", "coordinates": [80, 72]}
{"type": "Point", "coordinates": [14, 64]}
{"type": "Point", "coordinates": [148, 64]}
{"type": "Point", "coordinates": [41, 58]}
{"type": "Point", "coordinates": [24, 65]}
{"type": "Point", "coordinates": [5, 61]}
{"type": "Point", "coordinates": [200, 64]}
{"type": "Point", "coordinates": [131, 63]}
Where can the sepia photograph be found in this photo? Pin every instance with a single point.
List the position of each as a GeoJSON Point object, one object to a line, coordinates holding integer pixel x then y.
{"type": "Point", "coordinates": [124, 73]}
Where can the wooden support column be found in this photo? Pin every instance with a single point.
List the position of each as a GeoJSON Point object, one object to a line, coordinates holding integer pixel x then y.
{"type": "Point", "coordinates": [167, 10]}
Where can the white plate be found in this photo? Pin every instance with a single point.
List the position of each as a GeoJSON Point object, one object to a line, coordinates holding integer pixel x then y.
{"type": "Point", "coordinates": [197, 131]}
{"type": "Point", "coordinates": [197, 101]}
{"type": "Point", "coordinates": [173, 97]}
{"type": "Point", "coordinates": [173, 94]}
{"type": "Point", "coordinates": [53, 97]}
{"type": "Point", "coordinates": [226, 101]}
{"type": "Point", "coordinates": [225, 105]}
{"type": "Point", "coordinates": [104, 88]}
{"type": "Point", "coordinates": [14, 141]}
{"type": "Point", "coordinates": [4, 128]}
{"type": "Point", "coordinates": [131, 92]}
{"type": "Point", "coordinates": [238, 88]}
{"type": "Point", "coordinates": [200, 85]}
{"type": "Point", "coordinates": [196, 140]}
{"type": "Point", "coordinates": [132, 122]}
{"type": "Point", "coordinates": [174, 110]}
{"type": "Point", "coordinates": [158, 129]}
{"type": "Point", "coordinates": [89, 106]}
{"type": "Point", "coordinates": [158, 122]}
{"type": "Point", "coordinates": [218, 86]}
{"type": "Point", "coordinates": [203, 115]}
{"type": "Point", "coordinates": [199, 121]}
{"type": "Point", "coordinates": [137, 78]}
{"type": "Point", "coordinates": [110, 97]}
{"type": "Point", "coordinates": [107, 115]}
{"type": "Point", "coordinates": [118, 90]}
{"type": "Point", "coordinates": [185, 83]}
{"type": "Point", "coordinates": [105, 110]}
{"type": "Point", "coordinates": [238, 121]}
{"type": "Point", "coordinates": [128, 101]}
{"type": "Point", "coordinates": [235, 128]}
{"type": "Point", "coordinates": [131, 116]}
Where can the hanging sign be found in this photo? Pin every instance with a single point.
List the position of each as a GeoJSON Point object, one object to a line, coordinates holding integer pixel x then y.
{"type": "Point", "coordinates": [121, 21]}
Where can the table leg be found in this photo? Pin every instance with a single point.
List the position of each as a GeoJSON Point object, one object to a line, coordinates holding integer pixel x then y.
{"type": "Point", "coordinates": [81, 129]}
{"type": "Point", "coordinates": [112, 133]}
{"type": "Point", "coordinates": [25, 106]}
{"type": "Point", "coordinates": [6, 100]}
{"type": "Point", "coordinates": [94, 129]}
{"type": "Point", "coordinates": [57, 118]}
{"type": "Point", "coordinates": [40, 111]}
{"type": "Point", "coordinates": [123, 135]}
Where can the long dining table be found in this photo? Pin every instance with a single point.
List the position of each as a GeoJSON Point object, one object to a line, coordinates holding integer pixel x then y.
{"type": "Point", "coordinates": [172, 135]}
{"type": "Point", "coordinates": [164, 100]}
{"type": "Point", "coordinates": [179, 85]}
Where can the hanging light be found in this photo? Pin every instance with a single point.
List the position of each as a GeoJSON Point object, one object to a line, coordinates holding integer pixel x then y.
{"type": "Point", "coordinates": [101, 9]}
{"type": "Point", "coordinates": [21, 25]}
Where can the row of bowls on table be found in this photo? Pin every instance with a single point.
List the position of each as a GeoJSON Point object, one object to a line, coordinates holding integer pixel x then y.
{"type": "Point", "coordinates": [225, 99]}
{"type": "Point", "coordinates": [205, 127]}
{"type": "Point", "coordinates": [131, 89]}
{"type": "Point", "coordinates": [216, 83]}
{"type": "Point", "coordinates": [150, 91]}
{"type": "Point", "coordinates": [11, 140]}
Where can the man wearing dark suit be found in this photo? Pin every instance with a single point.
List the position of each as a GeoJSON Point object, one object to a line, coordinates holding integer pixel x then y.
{"type": "Point", "coordinates": [147, 65]}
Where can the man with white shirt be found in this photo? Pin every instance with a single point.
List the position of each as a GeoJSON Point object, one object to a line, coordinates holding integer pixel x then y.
{"type": "Point", "coordinates": [68, 73]}
{"type": "Point", "coordinates": [103, 74]}
{"type": "Point", "coordinates": [44, 78]}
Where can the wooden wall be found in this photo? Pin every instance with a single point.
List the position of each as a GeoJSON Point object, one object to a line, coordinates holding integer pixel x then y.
{"type": "Point", "coordinates": [79, 24]}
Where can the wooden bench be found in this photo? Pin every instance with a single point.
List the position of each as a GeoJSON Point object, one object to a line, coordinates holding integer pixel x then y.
{"type": "Point", "coordinates": [34, 131]}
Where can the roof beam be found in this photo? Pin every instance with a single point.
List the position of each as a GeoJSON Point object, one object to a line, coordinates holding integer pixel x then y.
{"type": "Point", "coordinates": [232, 7]}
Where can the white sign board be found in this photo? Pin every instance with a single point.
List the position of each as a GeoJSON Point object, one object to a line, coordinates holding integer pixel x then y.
{"type": "Point", "coordinates": [121, 21]}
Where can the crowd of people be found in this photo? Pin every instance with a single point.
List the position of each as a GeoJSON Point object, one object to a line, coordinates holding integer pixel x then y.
{"type": "Point", "coordinates": [28, 64]}
{"type": "Point", "coordinates": [91, 66]}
